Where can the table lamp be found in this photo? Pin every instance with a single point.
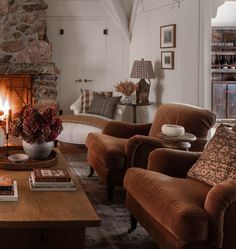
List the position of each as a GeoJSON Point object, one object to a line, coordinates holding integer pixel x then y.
{"type": "Point", "coordinates": [142, 70]}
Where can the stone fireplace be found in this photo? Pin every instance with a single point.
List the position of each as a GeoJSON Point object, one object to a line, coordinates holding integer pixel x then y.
{"type": "Point", "coordinates": [27, 75]}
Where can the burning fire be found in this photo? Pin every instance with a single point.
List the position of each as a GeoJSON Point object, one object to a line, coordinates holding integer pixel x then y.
{"type": "Point", "coordinates": [4, 106]}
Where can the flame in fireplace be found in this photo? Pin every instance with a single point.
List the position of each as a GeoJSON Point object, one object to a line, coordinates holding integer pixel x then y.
{"type": "Point", "coordinates": [4, 106]}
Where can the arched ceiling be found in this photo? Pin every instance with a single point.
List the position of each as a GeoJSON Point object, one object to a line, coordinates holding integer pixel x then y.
{"type": "Point", "coordinates": [127, 6]}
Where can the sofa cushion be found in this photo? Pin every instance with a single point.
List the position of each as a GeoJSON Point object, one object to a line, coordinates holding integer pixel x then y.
{"type": "Point", "coordinates": [103, 105]}
{"type": "Point", "coordinates": [175, 203]}
{"type": "Point", "coordinates": [87, 97]}
{"type": "Point", "coordinates": [217, 162]}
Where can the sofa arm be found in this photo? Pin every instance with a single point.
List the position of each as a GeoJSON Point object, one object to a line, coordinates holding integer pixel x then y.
{"type": "Point", "coordinates": [76, 106]}
{"type": "Point", "coordinates": [218, 201]}
{"type": "Point", "coordinates": [125, 130]}
{"type": "Point", "coordinates": [138, 148]}
{"type": "Point", "coordinates": [171, 162]}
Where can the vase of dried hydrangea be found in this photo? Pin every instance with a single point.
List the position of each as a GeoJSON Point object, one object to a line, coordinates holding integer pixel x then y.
{"type": "Point", "coordinates": [37, 150]}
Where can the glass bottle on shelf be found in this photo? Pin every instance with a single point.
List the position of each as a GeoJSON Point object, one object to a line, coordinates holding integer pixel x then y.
{"type": "Point", "coordinates": [222, 60]}
{"type": "Point", "coordinates": [231, 61]}
{"type": "Point", "coordinates": [226, 63]}
{"type": "Point", "coordinates": [234, 62]}
{"type": "Point", "coordinates": [217, 61]}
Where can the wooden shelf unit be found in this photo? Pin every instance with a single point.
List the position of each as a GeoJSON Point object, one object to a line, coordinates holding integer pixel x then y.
{"type": "Point", "coordinates": [224, 72]}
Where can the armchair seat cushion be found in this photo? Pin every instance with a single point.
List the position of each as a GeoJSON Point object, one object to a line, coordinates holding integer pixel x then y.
{"type": "Point", "coordinates": [107, 150]}
{"type": "Point", "coordinates": [177, 204]}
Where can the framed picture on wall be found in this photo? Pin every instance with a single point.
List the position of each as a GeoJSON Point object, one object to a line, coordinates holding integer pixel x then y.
{"type": "Point", "coordinates": [168, 36]}
{"type": "Point", "coordinates": [167, 59]}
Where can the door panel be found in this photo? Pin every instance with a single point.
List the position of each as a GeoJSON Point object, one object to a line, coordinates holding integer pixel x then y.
{"type": "Point", "coordinates": [83, 57]}
{"type": "Point", "coordinates": [94, 51]}
{"type": "Point", "coordinates": [219, 100]}
{"type": "Point", "coordinates": [231, 112]}
{"type": "Point", "coordinates": [71, 63]}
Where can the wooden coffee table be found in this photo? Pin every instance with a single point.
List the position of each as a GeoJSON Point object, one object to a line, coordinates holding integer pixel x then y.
{"type": "Point", "coordinates": [45, 220]}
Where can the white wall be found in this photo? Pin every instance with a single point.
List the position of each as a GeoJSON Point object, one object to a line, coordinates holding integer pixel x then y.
{"type": "Point", "coordinates": [117, 47]}
{"type": "Point", "coordinates": [189, 82]}
{"type": "Point", "coordinates": [180, 84]}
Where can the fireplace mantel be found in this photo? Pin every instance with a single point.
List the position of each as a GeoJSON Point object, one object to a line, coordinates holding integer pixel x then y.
{"type": "Point", "coordinates": [24, 68]}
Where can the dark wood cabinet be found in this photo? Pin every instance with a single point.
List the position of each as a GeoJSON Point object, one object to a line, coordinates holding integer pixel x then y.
{"type": "Point", "coordinates": [224, 72]}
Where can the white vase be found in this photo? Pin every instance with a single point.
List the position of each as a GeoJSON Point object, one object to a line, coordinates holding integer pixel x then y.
{"type": "Point", "coordinates": [128, 99]}
{"type": "Point", "coordinates": [37, 150]}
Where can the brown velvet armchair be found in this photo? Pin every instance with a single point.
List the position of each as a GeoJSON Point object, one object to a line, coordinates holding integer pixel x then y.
{"type": "Point", "coordinates": [122, 145]}
{"type": "Point", "coordinates": [179, 212]}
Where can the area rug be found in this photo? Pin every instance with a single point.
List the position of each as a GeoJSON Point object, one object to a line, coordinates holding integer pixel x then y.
{"type": "Point", "coordinates": [112, 234]}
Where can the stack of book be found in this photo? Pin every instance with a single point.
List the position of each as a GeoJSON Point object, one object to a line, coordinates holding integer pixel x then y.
{"type": "Point", "coordinates": [8, 188]}
{"type": "Point", "coordinates": [56, 179]}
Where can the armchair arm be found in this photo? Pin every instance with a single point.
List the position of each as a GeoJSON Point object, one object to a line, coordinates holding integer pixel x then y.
{"type": "Point", "coordinates": [172, 162]}
{"type": "Point", "coordinates": [125, 130]}
{"type": "Point", "coordinates": [198, 145]}
{"type": "Point", "coordinates": [218, 201]}
{"type": "Point", "coordinates": [138, 148]}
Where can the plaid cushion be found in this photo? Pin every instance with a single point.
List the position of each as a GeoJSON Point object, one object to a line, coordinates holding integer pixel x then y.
{"type": "Point", "coordinates": [102, 105]}
{"type": "Point", "coordinates": [87, 97]}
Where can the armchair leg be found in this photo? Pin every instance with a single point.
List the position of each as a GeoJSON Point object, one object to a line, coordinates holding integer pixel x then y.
{"type": "Point", "coordinates": [110, 193]}
{"type": "Point", "coordinates": [55, 143]}
{"type": "Point", "coordinates": [91, 171]}
{"type": "Point", "coordinates": [133, 224]}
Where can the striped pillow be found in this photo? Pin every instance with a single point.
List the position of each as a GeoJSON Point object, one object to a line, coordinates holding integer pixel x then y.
{"type": "Point", "coordinates": [87, 97]}
{"type": "Point", "coordinates": [104, 106]}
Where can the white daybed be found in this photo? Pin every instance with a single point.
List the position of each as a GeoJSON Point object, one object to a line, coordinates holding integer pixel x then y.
{"type": "Point", "coordinates": [76, 127]}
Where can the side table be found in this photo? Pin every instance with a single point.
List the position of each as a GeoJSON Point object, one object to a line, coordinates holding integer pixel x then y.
{"type": "Point", "coordinates": [134, 108]}
{"type": "Point", "coordinates": [178, 143]}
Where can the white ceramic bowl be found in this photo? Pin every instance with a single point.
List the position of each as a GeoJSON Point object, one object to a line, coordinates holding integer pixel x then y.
{"type": "Point", "coordinates": [172, 130]}
{"type": "Point", "coordinates": [18, 158]}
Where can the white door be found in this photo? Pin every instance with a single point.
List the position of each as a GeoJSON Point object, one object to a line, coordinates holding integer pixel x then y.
{"type": "Point", "coordinates": [83, 59]}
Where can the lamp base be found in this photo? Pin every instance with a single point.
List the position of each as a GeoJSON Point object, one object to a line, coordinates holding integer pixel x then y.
{"type": "Point", "coordinates": [142, 92]}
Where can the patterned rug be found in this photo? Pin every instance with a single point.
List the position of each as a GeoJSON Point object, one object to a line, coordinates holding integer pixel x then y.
{"type": "Point", "coordinates": [112, 234]}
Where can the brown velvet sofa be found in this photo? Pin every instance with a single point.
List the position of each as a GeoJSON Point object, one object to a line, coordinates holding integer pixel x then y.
{"type": "Point", "coordinates": [122, 145]}
{"type": "Point", "coordinates": [179, 212]}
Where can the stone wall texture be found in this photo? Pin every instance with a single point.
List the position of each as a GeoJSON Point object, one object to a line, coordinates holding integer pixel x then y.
{"type": "Point", "coordinates": [24, 47]}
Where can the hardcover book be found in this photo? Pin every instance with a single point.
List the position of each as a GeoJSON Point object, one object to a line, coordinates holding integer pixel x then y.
{"type": "Point", "coordinates": [12, 196]}
{"type": "Point", "coordinates": [56, 188]}
{"type": "Point", "coordinates": [51, 175]}
{"type": "Point", "coordinates": [50, 184]}
{"type": "Point", "coordinates": [7, 192]}
{"type": "Point", "coordinates": [6, 182]}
